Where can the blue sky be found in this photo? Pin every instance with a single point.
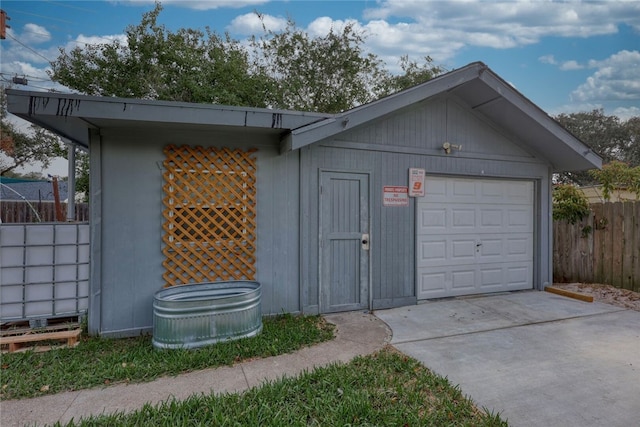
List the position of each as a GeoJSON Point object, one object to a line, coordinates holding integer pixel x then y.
{"type": "Point", "coordinates": [564, 56]}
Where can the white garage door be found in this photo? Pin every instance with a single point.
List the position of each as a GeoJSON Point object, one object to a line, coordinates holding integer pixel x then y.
{"type": "Point", "coordinates": [474, 236]}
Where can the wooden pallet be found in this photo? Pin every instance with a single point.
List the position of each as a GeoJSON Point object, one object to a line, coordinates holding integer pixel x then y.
{"type": "Point", "coordinates": [16, 339]}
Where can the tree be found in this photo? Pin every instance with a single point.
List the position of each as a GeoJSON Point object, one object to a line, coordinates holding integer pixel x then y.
{"type": "Point", "coordinates": [632, 148]}
{"type": "Point", "coordinates": [324, 74]}
{"type": "Point", "coordinates": [82, 173]}
{"type": "Point", "coordinates": [20, 148]}
{"type": "Point", "coordinates": [188, 65]}
{"type": "Point", "coordinates": [414, 74]}
{"type": "Point", "coordinates": [616, 176]}
{"type": "Point", "coordinates": [288, 69]}
{"type": "Point", "coordinates": [331, 73]}
{"type": "Point", "coordinates": [606, 135]}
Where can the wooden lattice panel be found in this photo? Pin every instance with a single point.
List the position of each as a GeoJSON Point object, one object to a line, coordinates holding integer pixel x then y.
{"type": "Point", "coordinates": [209, 214]}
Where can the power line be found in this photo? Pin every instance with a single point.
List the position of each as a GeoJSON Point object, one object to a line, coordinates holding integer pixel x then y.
{"type": "Point", "coordinates": [36, 32]}
{"type": "Point", "coordinates": [29, 48]}
{"type": "Point", "coordinates": [48, 89]}
{"type": "Point", "coordinates": [69, 6]}
{"type": "Point", "coordinates": [27, 76]}
{"type": "Point", "coordinates": [42, 16]}
{"type": "Point", "coordinates": [58, 29]}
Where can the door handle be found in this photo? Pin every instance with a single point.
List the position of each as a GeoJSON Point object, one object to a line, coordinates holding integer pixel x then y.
{"type": "Point", "coordinates": [365, 242]}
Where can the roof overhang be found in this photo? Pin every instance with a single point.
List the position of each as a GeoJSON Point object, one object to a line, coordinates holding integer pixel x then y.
{"type": "Point", "coordinates": [482, 91]}
{"type": "Point", "coordinates": [73, 116]}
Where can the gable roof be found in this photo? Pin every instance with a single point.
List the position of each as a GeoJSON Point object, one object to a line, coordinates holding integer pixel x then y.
{"type": "Point", "coordinates": [483, 91]}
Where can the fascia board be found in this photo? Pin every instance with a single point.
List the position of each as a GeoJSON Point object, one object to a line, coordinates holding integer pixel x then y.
{"type": "Point", "coordinates": [327, 128]}
{"type": "Point", "coordinates": [65, 106]}
{"type": "Point", "coordinates": [519, 101]}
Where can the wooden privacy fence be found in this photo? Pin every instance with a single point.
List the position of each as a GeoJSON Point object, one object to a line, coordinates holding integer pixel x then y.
{"type": "Point", "coordinates": [603, 248]}
{"type": "Point", "coordinates": [12, 211]}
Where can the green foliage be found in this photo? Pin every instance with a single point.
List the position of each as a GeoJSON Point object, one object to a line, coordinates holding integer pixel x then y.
{"type": "Point", "coordinates": [97, 361]}
{"type": "Point", "coordinates": [19, 148]}
{"type": "Point", "coordinates": [326, 74]}
{"type": "Point", "coordinates": [383, 389]}
{"type": "Point", "coordinates": [569, 204]}
{"type": "Point", "coordinates": [288, 69]}
{"type": "Point", "coordinates": [155, 63]}
{"type": "Point", "coordinates": [618, 175]}
{"type": "Point", "coordinates": [632, 147]}
{"type": "Point", "coordinates": [414, 74]}
{"type": "Point", "coordinates": [608, 136]}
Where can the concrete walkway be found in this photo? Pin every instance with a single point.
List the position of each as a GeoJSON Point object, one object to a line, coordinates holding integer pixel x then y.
{"type": "Point", "coordinates": [538, 359]}
{"type": "Point", "coordinates": [357, 334]}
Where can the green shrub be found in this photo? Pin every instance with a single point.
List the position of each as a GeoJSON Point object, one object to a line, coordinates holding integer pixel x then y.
{"type": "Point", "coordinates": [569, 203]}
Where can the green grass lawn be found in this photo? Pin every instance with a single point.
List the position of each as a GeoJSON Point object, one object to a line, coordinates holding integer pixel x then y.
{"type": "Point", "coordinates": [383, 389]}
{"type": "Point", "coordinates": [96, 362]}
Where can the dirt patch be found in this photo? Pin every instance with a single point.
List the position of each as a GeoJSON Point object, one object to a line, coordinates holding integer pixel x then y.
{"type": "Point", "coordinates": [605, 293]}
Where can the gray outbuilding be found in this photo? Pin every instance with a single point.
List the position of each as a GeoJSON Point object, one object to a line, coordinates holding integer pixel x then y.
{"type": "Point", "coordinates": [440, 190]}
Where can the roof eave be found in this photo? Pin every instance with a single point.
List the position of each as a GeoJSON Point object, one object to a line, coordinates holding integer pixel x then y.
{"type": "Point", "coordinates": [584, 157]}
{"type": "Point", "coordinates": [575, 155]}
{"type": "Point", "coordinates": [327, 128]}
{"type": "Point", "coordinates": [71, 115]}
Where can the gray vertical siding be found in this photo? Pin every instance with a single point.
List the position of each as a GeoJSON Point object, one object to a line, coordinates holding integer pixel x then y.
{"type": "Point", "coordinates": [387, 149]}
{"type": "Point", "coordinates": [130, 220]}
{"type": "Point", "coordinates": [127, 209]}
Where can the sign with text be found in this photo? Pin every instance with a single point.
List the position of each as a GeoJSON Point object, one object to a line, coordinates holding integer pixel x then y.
{"type": "Point", "coordinates": [416, 182]}
{"type": "Point", "coordinates": [395, 195]}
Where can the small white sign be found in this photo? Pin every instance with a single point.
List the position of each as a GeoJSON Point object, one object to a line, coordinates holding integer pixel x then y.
{"type": "Point", "coordinates": [416, 182]}
{"type": "Point", "coordinates": [395, 195]}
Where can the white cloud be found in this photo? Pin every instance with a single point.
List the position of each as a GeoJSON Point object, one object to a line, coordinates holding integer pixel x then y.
{"type": "Point", "coordinates": [33, 62]}
{"type": "Point", "coordinates": [25, 69]}
{"type": "Point", "coordinates": [571, 65]}
{"type": "Point", "coordinates": [500, 25]}
{"type": "Point", "coordinates": [548, 59]}
{"type": "Point", "coordinates": [574, 108]}
{"type": "Point", "coordinates": [82, 40]}
{"type": "Point", "coordinates": [34, 34]}
{"type": "Point", "coordinates": [616, 78]}
{"type": "Point", "coordinates": [564, 66]}
{"type": "Point", "coordinates": [251, 23]}
{"type": "Point", "coordinates": [625, 113]}
{"type": "Point", "coordinates": [323, 25]}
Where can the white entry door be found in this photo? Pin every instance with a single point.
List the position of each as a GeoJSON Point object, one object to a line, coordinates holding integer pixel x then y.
{"type": "Point", "coordinates": [474, 236]}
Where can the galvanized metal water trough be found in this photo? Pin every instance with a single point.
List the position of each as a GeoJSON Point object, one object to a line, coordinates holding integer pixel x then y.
{"type": "Point", "coordinates": [191, 316]}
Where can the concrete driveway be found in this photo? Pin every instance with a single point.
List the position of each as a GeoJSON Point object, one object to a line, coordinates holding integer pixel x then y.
{"type": "Point", "coordinates": [537, 358]}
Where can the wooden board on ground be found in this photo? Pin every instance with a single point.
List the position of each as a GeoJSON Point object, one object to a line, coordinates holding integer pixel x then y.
{"type": "Point", "coordinates": [15, 342]}
{"type": "Point", "coordinates": [570, 294]}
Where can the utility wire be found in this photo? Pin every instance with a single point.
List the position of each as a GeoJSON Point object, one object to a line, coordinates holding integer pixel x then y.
{"type": "Point", "coordinates": [42, 16]}
{"type": "Point", "coordinates": [57, 28]}
{"type": "Point", "coordinates": [57, 3]}
{"type": "Point", "coordinates": [41, 79]}
{"type": "Point", "coordinates": [32, 50]}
